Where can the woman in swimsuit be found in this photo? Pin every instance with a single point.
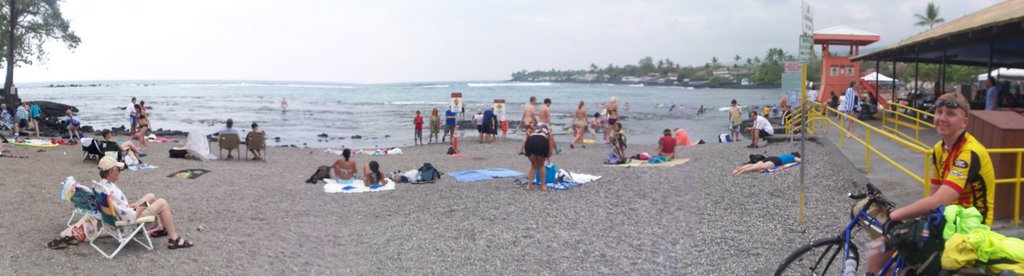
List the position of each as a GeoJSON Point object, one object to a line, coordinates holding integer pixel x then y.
{"type": "Point", "coordinates": [435, 127]}
{"type": "Point", "coordinates": [344, 168]}
{"type": "Point", "coordinates": [613, 111]}
{"type": "Point", "coordinates": [372, 175]}
{"type": "Point", "coordinates": [579, 126]}
{"type": "Point", "coordinates": [538, 147]}
{"type": "Point", "coordinates": [143, 124]}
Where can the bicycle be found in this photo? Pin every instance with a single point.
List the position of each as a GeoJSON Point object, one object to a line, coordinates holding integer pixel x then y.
{"type": "Point", "coordinates": [862, 216]}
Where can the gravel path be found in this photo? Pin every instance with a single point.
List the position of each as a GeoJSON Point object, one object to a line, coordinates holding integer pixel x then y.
{"type": "Point", "coordinates": [260, 218]}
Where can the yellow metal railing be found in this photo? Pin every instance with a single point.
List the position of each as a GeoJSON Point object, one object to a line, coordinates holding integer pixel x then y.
{"type": "Point", "coordinates": [820, 116]}
{"type": "Point", "coordinates": [899, 114]}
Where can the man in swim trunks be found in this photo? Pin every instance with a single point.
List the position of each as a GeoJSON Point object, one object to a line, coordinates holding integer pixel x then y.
{"type": "Point", "coordinates": [528, 116]}
{"type": "Point", "coordinates": [771, 161]}
{"type": "Point", "coordinates": [579, 126]}
{"type": "Point", "coordinates": [449, 124]}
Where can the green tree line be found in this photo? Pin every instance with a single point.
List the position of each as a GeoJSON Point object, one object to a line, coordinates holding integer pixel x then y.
{"type": "Point", "coordinates": [760, 70]}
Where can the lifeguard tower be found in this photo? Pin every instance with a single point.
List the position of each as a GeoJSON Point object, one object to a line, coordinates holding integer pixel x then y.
{"type": "Point", "coordinates": [837, 71]}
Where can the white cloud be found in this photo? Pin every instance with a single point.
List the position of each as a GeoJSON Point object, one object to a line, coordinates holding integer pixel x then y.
{"type": "Point", "coordinates": [399, 41]}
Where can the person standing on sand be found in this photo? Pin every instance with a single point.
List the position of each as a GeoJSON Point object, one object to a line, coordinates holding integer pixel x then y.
{"type": "Point", "coordinates": [490, 125]}
{"type": "Point", "coordinates": [504, 128]}
{"type": "Point", "coordinates": [579, 123]}
{"type": "Point", "coordinates": [528, 118]}
{"type": "Point", "coordinates": [613, 111]}
{"type": "Point", "coordinates": [478, 119]}
{"type": "Point", "coordinates": [435, 126]}
{"type": "Point", "coordinates": [537, 147]}
{"type": "Point", "coordinates": [37, 114]}
{"type": "Point", "coordinates": [449, 124]}
{"type": "Point", "coordinates": [544, 116]}
{"type": "Point", "coordinates": [417, 123]}
{"type": "Point", "coordinates": [735, 121]}
{"type": "Point", "coordinates": [129, 111]}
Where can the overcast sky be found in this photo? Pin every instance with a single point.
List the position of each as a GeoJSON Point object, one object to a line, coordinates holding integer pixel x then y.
{"type": "Point", "coordinates": [411, 41]}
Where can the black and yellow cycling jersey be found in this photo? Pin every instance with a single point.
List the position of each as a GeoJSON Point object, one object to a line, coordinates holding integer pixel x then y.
{"type": "Point", "coordinates": [966, 167]}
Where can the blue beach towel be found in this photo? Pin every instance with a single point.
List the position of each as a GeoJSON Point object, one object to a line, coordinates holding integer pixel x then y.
{"type": "Point", "coordinates": [483, 174]}
{"type": "Point", "coordinates": [779, 168]}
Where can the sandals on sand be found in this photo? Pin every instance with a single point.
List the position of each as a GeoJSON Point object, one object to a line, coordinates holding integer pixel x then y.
{"type": "Point", "coordinates": [158, 233]}
{"type": "Point", "coordinates": [61, 243]}
{"type": "Point", "coordinates": [179, 243]}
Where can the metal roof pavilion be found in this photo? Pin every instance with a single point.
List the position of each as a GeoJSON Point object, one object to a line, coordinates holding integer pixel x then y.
{"type": "Point", "coordinates": [992, 37]}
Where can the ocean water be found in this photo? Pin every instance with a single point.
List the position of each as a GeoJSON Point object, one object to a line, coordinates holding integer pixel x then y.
{"type": "Point", "coordinates": [382, 114]}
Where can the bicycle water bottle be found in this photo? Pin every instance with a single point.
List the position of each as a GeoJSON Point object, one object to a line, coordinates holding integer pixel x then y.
{"type": "Point", "coordinates": [850, 267]}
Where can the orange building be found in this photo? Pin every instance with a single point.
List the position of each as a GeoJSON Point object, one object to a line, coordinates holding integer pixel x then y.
{"type": "Point", "coordinates": [838, 71]}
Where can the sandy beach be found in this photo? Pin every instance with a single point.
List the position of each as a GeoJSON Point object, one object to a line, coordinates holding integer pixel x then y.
{"type": "Point", "coordinates": [251, 217]}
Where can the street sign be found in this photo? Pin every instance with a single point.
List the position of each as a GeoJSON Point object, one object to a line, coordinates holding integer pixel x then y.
{"type": "Point", "coordinates": [793, 67]}
{"type": "Point", "coordinates": [808, 19]}
{"type": "Point", "coordinates": [791, 81]}
{"type": "Point", "coordinates": [806, 49]}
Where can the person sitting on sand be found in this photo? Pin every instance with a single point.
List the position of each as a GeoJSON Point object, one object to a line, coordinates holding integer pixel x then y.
{"type": "Point", "coordinates": [682, 138]}
{"type": "Point", "coordinates": [372, 175]}
{"type": "Point", "coordinates": [771, 161]}
{"type": "Point", "coordinates": [148, 205]}
{"type": "Point", "coordinates": [256, 130]}
{"type": "Point", "coordinates": [666, 145]}
{"type": "Point", "coordinates": [760, 128]}
{"type": "Point", "coordinates": [538, 147]}
{"type": "Point", "coordinates": [618, 140]}
{"type": "Point", "coordinates": [344, 168]}
{"type": "Point", "coordinates": [73, 125]}
{"type": "Point", "coordinates": [127, 148]}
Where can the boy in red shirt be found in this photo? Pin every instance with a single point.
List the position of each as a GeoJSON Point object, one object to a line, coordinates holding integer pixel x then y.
{"type": "Point", "coordinates": [418, 122]}
{"type": "Point", "coordinates": [667, 145]}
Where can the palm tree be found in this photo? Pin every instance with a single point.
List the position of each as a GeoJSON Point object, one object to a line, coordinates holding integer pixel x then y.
{"type": "Point", "coordinates": [931, 16]}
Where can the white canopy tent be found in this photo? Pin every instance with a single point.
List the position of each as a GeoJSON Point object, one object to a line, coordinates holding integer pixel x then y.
{"type": "Point", "coordinates": [1004, 74]}
{"type": "Point", "coordinates": [881, 78]}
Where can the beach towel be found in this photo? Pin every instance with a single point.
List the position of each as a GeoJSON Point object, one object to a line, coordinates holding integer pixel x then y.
{"type": "Point", "coordinates": [144, 166]}
{"type": "Point", "coordinates": [779, 168]}
{"type": "Point", "coordinates": [188, 174]}
{"type": "Point", "coordinates": [582, 178]}
{"type": "Point", "coordinates": [332, 186]}
{"type": "Point", "coordinates": [642, 163]}
{"type": "Point", "coordinates": [163, 140]}
{"type": "Point", "coordinates": [483, 174]}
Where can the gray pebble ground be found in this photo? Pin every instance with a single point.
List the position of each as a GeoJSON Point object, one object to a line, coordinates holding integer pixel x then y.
{"type": "Point", "coordinates": [260, 218]}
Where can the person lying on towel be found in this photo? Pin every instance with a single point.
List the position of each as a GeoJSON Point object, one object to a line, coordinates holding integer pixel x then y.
{"type": "Point", "coordinates": [771, 161]}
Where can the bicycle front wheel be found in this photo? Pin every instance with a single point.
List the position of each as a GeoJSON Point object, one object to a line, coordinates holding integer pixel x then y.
{"type": "Point", "coordinates": [821, 257]}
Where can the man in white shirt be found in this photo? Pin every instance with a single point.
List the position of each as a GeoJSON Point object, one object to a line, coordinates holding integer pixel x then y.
{"type": "Point", "coordinates": [149, 205]}
{"type": "Point", "coordinates": [760, 128]}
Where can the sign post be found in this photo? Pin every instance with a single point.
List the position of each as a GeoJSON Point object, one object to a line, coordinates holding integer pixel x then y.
{"type": "Point", "coordinates": [806, 51]}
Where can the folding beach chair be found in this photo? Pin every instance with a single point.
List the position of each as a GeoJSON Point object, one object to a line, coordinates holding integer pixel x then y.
{"type": "Point", "coordinates": [122, 231]}
{"type": "Point", "coordinates": [228, 142]}
{"type": "Point", "coordinates": [92, 149]}
{"type": "Point", "coordinates": [110, 148]}
{"type": "Point", "coordinates": [255, 141]}
{"type": "Point", "coordinates": [81, 197]}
